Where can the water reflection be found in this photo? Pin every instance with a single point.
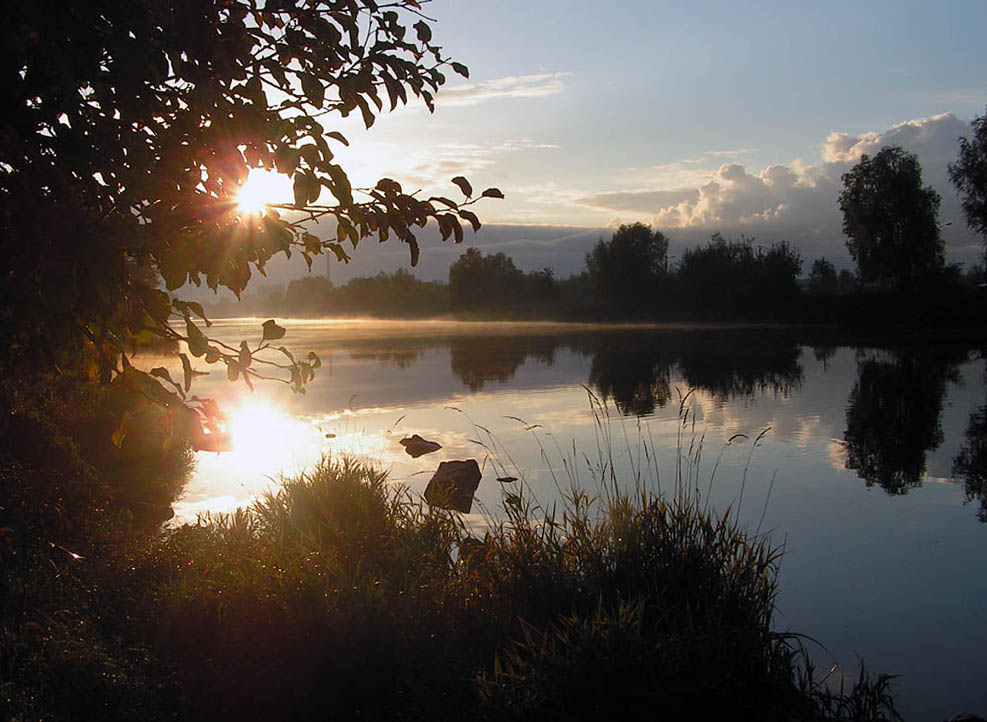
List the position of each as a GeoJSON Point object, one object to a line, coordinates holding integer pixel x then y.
{"type": "Point", "coordinates": [637, 382]}
{"type": "Point", "coordinates": [856, 564]}
{"type": "Point", "coordinates": [476, 361]}
{"type": "Point", "coordinates": [971, 463]}
{"type": "Point", "coordinates": [893, 417]}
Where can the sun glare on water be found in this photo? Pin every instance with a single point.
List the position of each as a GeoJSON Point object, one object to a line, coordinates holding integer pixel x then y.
{"type": "Point", "coordinates": [263, 187]}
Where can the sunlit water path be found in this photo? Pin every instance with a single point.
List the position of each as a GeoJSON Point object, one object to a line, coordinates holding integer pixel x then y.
{"type": "Point", "coordinates": [866, 470]}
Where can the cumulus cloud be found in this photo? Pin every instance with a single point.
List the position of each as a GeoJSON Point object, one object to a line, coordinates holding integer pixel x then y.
{"type": "Point", "coordinates": [798, 202]}
{"type": "Point", "coordinates": [518, 86]}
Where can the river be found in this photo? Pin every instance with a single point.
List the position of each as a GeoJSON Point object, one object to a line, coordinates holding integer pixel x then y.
{"type": "Point", "coordinates": [864, 457]}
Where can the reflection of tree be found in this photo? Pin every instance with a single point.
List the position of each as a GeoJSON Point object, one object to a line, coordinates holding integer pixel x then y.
{"type": "Point", "coordinates": [399, 359]}
{"type": "Point", "coordinates": [893, 418]}
{"type": "Point", "coordinates": [823, 354]}
{"type": "Point", "coordinates": [637, 375]}
{"type": "Point", "coordinates": [743, 369]}
{"type": "Point", "coordinates": [971, 463]}
{"type": "Point", "coordinates": [637, 380]}
{"type": "Point", "coordinates": [479, 360]}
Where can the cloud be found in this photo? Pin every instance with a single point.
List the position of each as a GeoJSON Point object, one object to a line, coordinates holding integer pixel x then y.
{"type": "Point", "coordinates": [517, 86]}
{"type": "Point", "coordinates": [731, 153]}
{"type": "Point", "coordinates": [644, 201]}
{"type": "Point", "coordinates": [795, 202]}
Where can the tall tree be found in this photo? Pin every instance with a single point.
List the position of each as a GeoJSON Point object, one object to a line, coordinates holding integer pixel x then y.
{"type": "Point", "coordinates": [626, 269]}
{"type": "Point", "coordinates": [822, 277]}
{"type": "Point", "coordinates": [891, 221]}
{"type": "Point", "coordinates": [130, 127]}
{"type": "Point", "coordinates": [969, 175]}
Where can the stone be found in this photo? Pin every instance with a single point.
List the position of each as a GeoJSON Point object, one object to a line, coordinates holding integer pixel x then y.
{"type": "Point", "coordinates": [417, 446]}
{"type": "Point", "coordinates": [453, 484]}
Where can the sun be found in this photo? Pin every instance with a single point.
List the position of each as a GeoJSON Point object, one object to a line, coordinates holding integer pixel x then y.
{"type": "Point", "coordinates": [262, 188]}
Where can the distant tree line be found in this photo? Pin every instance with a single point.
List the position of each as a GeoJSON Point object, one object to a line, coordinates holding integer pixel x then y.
{"type": "Point", "coordinates": [890, 220]}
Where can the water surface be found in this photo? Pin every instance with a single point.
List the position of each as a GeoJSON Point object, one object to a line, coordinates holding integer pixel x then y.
{"type": "Point", "coordinates": [865, 458]}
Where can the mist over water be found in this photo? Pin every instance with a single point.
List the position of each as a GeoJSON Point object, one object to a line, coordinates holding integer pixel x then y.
{"type": "Point", "coordinates": [868, 464]}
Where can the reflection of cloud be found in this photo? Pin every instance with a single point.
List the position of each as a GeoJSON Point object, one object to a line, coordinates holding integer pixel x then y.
{"type": "Point", "coordinates": [189, 511]}
{"type": "Point", "coordinates": [517, 86]}
{"type": "Point", "coordinates": [836, 454]}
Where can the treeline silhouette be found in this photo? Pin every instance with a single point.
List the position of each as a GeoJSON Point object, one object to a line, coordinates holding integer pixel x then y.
{"type": "Point", "coordinates": [629, 278]}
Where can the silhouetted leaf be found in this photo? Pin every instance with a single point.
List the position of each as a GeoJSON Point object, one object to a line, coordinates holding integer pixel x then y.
{"type": "Point", "coordinates": [492, 193]}
{"type": "Point", "coordinates": [471, 217]}
{"type": "Point", "coordinates": [272, 332]}
{"type": "Point", "coordinates": [464, 185]}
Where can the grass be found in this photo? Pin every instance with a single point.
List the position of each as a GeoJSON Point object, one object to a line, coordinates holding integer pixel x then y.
{"type": "Point", "coordinates": [340, 594]}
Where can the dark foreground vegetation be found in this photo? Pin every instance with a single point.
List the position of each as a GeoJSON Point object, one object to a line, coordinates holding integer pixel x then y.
{"type": "Point", "coordinates": [341, 595]}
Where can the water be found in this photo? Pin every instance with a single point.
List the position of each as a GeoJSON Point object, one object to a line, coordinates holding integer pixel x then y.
{"type": "Point", "coordinates": [854, 469]}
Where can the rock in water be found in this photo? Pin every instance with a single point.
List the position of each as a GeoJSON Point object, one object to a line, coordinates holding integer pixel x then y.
{"type": "Point", "coordinates": [417, 446]}
{"type": "Point", "coordinates": [453, 484]}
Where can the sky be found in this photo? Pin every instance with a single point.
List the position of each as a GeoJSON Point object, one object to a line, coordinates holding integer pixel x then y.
{"type": "Point", "coordinates": [729, 116]}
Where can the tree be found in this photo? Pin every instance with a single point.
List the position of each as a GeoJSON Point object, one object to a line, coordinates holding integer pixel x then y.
{"type": "Point", "coordinates": [891, 220]}
{"type": "Point", "coordinates": [129, 128]}
{"type": "Point", "coordinates": [627, 268]}
{"type": "Point", "coordinates": [478, 282]}
{"type": "Point", "coordinates": [726, 278]}
{"type": "Point", "coordinates": [822, 277]}
{"type": "Point", "coordinates": [847, 281]}
{"type": "Point", "coordinates": [969, 175]}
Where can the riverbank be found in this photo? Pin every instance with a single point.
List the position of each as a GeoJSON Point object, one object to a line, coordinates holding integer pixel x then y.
{"type": "Point", "coordinates": [341, 594]}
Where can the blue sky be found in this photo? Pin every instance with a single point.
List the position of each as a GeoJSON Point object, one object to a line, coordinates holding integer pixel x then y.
{"type": "Point", "coordinates": [693, 117]}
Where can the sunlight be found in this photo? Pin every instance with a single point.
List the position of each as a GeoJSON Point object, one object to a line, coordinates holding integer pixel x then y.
{"type": "Point", "coordinates": [264, 437]}
{"type": "Point", "coordinates": [261, 188]}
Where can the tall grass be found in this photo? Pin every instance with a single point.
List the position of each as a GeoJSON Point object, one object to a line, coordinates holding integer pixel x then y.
{"type": "Point", "coordinates": [340, 594]}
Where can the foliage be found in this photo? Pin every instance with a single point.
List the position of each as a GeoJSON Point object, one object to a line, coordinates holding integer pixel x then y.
{"type": "Point", "coordinates": [822, 277]}
{"type": "Point", "coordinates": [732, 277]}
{"type": "Point", "coordinates": [890, 220]}
{"type": "Point", "coordinates": [627, 269]}
{"type": "Point", "coordinates": [129, 129]}
{"type": "Point", "coordinates": [847, 281]}
{"type": "Point", "coordinates": [339, 592]}
{"type": "Point", "coordinates": [484, 282]}
{"type": "Point", "coordinates": [395, 295]}
{"type": "Point", "coordinates": [969, 174]}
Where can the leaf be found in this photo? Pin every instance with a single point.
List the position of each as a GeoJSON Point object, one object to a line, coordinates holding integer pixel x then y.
{"type": "Point", "coordinates": [340, 185]}
{"type": "Point", "coordinates": [162, 373]}
{"type": "Point", "coordinates": [368, 115]}
{"type": "Point", "coordinates": [492, 193]}
{"type": "Point", "coordinates": [339, 251]}
{"type": "Point", "coordinates": [272, 332]}
{"type": "Point", "coordinates": [314, 359]}
{"type": "Point", "coordinates": [423, 30]}
{"type": "Point", "coordinates": [198, 344]}
{"type": "Point", "coordinates": [245, 358]}
{"type": "Point", "coordinates": [461, 69]}
{"type": "Point", "coordinates": [232, 370]}
{"type": "Point", "coordinates": [313, 89]}
{"type": "Point", "coordinates": [335, 134]}
{"type": "Point", "coordinates": [187, 370]}
{"type": "Point", "coordinates": [464, 185]}
{"type": "Point", "coordinates": [471, 217]}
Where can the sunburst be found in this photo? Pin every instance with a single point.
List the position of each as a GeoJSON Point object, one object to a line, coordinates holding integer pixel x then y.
{"type": "Point", "coordinates": [261, 189]}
